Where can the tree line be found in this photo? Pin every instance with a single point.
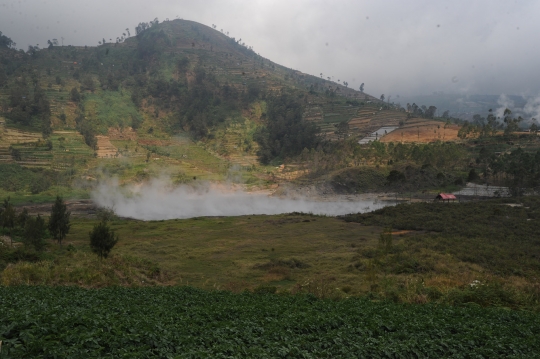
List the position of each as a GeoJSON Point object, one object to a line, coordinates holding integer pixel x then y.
{"type": "Point", "coordinates": [34, 230]}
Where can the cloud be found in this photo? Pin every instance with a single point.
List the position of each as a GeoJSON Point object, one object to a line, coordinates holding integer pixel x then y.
{"type": "Point", "coordinates": [159, 199]}
{"type": "Point", "coordinates": [394, 47]}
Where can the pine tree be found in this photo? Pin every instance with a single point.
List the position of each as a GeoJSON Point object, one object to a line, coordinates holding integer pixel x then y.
{"type": "Point", "coordinates": [34, 232]}
{"type": "Point", "coordinates": [22, 218]}
{"type": "Point", "coordinates": [7, 216]}
{"type": "Point", "coordinates": [59, 221]}
{"type": "Point", "coordinates": [102, 239]}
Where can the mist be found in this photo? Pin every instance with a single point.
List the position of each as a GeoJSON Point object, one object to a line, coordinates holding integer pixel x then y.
{"type": "Point", "coordinates": [160, 200]}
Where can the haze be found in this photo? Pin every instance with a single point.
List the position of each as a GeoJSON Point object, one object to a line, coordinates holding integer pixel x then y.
{"type": "Point", "coordinates": [394, 47]}
{"type": "Point", "coordinates": [158, 199]}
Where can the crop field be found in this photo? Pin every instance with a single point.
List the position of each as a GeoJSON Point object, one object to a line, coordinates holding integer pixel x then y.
{"type": "Point", "coordinates": [423, 131]}
{"type": "Point", "coordinates": [182, 322]}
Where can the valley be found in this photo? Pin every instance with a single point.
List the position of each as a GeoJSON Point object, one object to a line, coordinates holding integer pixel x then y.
{"type": "Point", "coordinates": [180, 163]}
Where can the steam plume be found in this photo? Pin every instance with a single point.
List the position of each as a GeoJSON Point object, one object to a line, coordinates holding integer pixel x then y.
{"type": "Point", "coordinates": [158, 200]}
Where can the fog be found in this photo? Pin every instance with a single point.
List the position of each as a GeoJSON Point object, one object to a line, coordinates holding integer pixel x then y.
{"type": "Point", "coordinates": [395, 47]}
{"type": "Point", "coordinates": [159, 199]}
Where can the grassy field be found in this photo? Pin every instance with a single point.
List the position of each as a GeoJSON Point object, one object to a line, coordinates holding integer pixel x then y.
{"type": "Point", "coordinates": [325, 256]}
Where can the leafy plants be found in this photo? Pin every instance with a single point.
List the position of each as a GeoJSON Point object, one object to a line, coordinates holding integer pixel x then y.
{"type": "Point", "coordinates": [183, 322]}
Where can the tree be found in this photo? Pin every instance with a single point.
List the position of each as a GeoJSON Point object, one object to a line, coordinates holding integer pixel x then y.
{"type": "Point", "coordinates": [362, 87]}
{"type": "Point", "coordinates": [22, 218]}
{"type": "Point", "coordinates": [512, 124]}
{"type": "Point", "coordinates": [382, 97]}
{"type": "Point", "coordinates": [430, 112]}
{"type": "Point", "coordinates": [342, 129]}
{"type": "Point", "coordinates": [6, 42]}
{"type": "Point", "coordinates": [8, 214]}
{"type": "Point", "coordinates": [34, 232]}
{"type": "Point", "coordinates": [102, 239]}
{"type": "Point", "coordinates": [59, 221]}
{"type": "Point", "coordinates": [75, 96]}
{"type": "Point", "coordinates": [534, 127]}
{"type": "Point", "coordinates": [285, 133]}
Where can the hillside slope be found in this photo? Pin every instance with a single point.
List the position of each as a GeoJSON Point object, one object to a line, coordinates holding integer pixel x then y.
{"type": "Point", "coordinates": [178, 92]}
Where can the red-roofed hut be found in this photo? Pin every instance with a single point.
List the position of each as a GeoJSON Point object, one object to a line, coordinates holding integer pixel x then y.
{"type": "Point", "coordinates": [445, 197]}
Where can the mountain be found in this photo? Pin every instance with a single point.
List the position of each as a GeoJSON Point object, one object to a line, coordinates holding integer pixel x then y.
{"type": "Point", "coordinates": [179, 96]}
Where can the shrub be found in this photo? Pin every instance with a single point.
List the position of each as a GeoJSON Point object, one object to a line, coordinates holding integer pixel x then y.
{"type": "Point", "coordinates": [265, 290]}
{"type": "Point", "coordinates": [102, 240]}
{"type": "Point", "coordinates": [34, 233]}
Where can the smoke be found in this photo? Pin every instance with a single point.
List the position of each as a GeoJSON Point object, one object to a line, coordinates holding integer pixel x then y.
{"type": "Point", "coordinates": [159, 199]}
{"type": "Point", "coordinates": [504, 102]}
{"type": "Point", "coordinates": [532, 107]}
{"type": "Point", "coordinates": [529, 111]}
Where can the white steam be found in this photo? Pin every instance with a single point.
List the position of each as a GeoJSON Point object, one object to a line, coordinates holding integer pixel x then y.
{"type": "Point", "coordinates": [532, 107]}
{"type": "Point", "coordinates": [529, 112]}
{"type": "Point", "coordinates": [159, 200]}
{"type": "Point", "coordinates": [504, 102]}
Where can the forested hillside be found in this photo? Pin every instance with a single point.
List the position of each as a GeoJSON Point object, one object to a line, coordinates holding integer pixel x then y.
{"type": "Point", "coordinates": [189, 98]}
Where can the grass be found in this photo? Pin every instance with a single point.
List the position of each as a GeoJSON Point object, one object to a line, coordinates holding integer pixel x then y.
{"type": "Point", "coordinates": [110, 109]}
{"type": "Point", "coordinates": [298, 253]}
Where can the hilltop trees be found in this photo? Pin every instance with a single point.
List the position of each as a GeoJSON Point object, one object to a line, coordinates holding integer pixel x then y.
{"type": "Point", "coordinates": [361, 87]}
{"type": "Point", "coordinates": [52, 43]}
{"type": "Point", "coordinates": [6, 42]}
{"type": "Point", "coordinates": [59, 221]}
{"type": "Point", "coordinates": [512, 124]}
{"type": "Point", "coordinates": [430, 112]}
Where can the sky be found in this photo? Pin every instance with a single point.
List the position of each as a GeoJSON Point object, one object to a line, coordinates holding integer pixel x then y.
{"type": "Point", "coordinates": [395, 47]}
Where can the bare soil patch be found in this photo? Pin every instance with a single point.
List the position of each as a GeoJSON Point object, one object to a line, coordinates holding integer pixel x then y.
{"type": "Point", "coordinates": [423, 132]}
{"type": "Point", "coordinates": [105, 148]}
{"type": "Point", "coordinates": [126, 133]}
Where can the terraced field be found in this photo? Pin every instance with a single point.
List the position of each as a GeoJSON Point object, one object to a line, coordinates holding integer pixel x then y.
{"type": "Point", "coordinates": [421, 130]}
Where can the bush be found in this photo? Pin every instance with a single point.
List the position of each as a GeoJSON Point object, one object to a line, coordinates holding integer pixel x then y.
{"type": "Point", "coordinates": [34, 233]}
{"type": "Point", "coordinates": [102, 240]}
{"type": "Point", "coordinates": [265, 290]}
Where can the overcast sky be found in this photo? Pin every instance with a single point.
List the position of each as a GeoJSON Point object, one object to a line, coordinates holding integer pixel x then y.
{"type": "Point", "coordinates": [395, 47]}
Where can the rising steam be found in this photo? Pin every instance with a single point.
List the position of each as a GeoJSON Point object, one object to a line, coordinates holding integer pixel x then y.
{"type": "Point", "coordinates": [158, 200]}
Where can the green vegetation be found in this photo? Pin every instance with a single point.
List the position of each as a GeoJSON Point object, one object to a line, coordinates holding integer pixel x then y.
{"type": "Point", "coordinates": [34, 233]}
{"type": "Point", "coordinates": [409, 253]}
{"type": "Point", "coordinates": [286, 133]}
{"type": "Point", "coordinates": [102, 239]}
{"type": "Point", "coordinates": [500, 236]}
{"type": "Point", "coordinates": [111, 109]}
{"type": "Point", "coordinates": [186, 322]}
{"type": "Point", "coordinates": [59, 220]}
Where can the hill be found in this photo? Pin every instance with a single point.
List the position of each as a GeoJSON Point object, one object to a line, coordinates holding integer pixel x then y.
{"type": "Point", "coordinates": [185, 99]}
{"type": "Point", "coordinates": [123, 99]}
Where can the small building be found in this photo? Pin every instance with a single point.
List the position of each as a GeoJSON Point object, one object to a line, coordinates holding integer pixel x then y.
{"type": "Point", "coordinates": [445, 197]}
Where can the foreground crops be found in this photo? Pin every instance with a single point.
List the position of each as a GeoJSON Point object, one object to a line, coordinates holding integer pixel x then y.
{"type": "Point", "coordinates": [69, 322]}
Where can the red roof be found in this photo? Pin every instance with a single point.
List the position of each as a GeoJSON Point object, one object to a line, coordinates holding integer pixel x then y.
{"type": "Point", "coordinates": [446, 196]}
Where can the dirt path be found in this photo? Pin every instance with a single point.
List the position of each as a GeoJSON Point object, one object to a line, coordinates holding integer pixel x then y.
{"type": "Point", "coordinates": [79, 208]}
